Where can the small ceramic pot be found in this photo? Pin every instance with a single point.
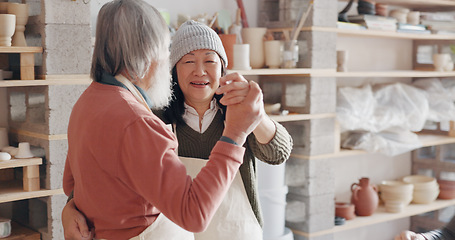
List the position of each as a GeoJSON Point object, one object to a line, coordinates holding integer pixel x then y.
{"type": "Point", "coordinates": [255, 37]}
{"type": "Point", "coordinates": [413, 17]}
{"type": "Point", "coordinates": [345, 210]}
{"type": "Point", "coordinates": [228, 41]}
{"type": "Point", "coordinates": [7, 28]}
{"type": "Point", "coordinates": [241, 57]}
{"type": "Point", "coordinates": [24, 150]}
{"type": "Point", "coordinates": [273, 53]}
{"type": "Point", "coordinates": [342, 59]}
{"type": "Point", "coordinates": [5, 227]}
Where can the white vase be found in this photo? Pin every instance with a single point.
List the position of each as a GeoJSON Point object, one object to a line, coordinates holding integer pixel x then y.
{"type": "Point", "coordinates": [255, 37]}
{"type": "Point", "coordinates": [7, 28]}
{"type": "Point", "coordinates": [21, 12]}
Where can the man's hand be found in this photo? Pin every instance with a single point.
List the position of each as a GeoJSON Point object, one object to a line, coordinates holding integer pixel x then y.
{"type": "Point", "coordinates": [74, 224]}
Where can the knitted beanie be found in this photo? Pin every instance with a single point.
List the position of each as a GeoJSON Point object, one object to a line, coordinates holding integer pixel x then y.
{"type": "Point", "coordinates": [192, 36]}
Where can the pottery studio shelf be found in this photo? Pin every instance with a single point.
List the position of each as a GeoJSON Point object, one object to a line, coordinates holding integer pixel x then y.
{"type": "Point", "coordinates": [14, 190]}
{"type": "Point", "coordinates": [423, 5]}
{"type": "Point", "coordinates": [381, 216]}
{"type": "Point", "coordinates": [48, 80]}
{"type": "Point", "coordinates": [19, 232]}
{"type": "Point", "coordinates": [427, 140]}
{"type": "Point", "coordinates": [27, 59]}
{"type": "Point", "coordinates": [305, 72]}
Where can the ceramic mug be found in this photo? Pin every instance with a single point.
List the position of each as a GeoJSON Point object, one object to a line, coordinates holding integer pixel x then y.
{"type": "Point", "coordinates": [241, 57]}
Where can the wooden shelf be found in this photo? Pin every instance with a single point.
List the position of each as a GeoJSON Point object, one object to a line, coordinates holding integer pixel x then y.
{"type": "Point", "coordinates": [21, 49]}
{"type": "Point", "coordinates": [300, 117]}
{"type": "Point", "coordinates": [373, 33]}
{"type": "Point", "coordinates": [13, 191]}
{"type": "Point", "coordinates": [19, 232]}
{"type": "Point", "coordinates": [26, 83]}
{"type": "Point", "coordinates": [306, 72]}
{"type": "Point", "coordinates": [13, 163]}
{"type": "Point", "coordinates": [354, 74]}
{"type": "Point", "coordinates": [426, 139]}
{"type": "Point", "coordinates": [424, 5]}
{"type": "Point", "coordinates": [381, 216]}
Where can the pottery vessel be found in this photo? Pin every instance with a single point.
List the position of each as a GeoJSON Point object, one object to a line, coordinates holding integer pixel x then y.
{"type": "Point", "coordinates": [21, 12]}
{"type": "Point", "coordinates": [228, 41]}
{"type": "Point", "coordinates": [241, 57]}
{"type": "Point", "coordinates": [364, 197]}
{"type": "Point", "coordinates": [273, 53]}
{"type": "Point", "coordinates": [24, 150]}
{"type": "Point", "coordinates": [7, 28]}
{"type": "Point", "coordinates": [255, 37]}
{"type": "Point", "coordinates": [440, 61]}
{"type": "Point", "coordinates": [345, 210]}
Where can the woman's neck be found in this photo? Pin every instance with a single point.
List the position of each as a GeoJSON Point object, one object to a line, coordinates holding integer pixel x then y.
{"type": "Point", "coordinates": [201, 108]}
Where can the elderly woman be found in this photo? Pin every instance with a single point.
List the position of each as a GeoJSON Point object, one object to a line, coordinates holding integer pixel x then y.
{"type": "Point", "coordinates": [121, 164]}
{"type": "Point", "coordinates": [197, 114]}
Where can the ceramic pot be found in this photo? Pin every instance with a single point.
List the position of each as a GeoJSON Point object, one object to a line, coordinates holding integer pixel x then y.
{"type": "Point", "coordinates": [273, 53]}
{"type": "Point", "coordinates": [440, 60]}
{"type": "Point", "coordinates": [241, 57]}
{"type": "Point", "coordinates": [345, 210]}
{"type": "Point", "coordinates": [7, 28]}
{"type": "Point", "coordinates": [228, 41]}
{"type": "Point", "coordinates": [21, 12]}
{"type": "Point", "coordinates": [255, 37]}
{"type": "Point", "coordinates": [364, 197]}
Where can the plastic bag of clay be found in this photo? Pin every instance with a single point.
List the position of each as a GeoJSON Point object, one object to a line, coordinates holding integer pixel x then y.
{"type": "Point", "coordinates": [399, 106]}
{"type": "Point", "coordinates": [391, 143]}
{"type": "Point", "coordinates": [440, 99]}
{"type": "Point", "coordinates": [381, 108]}
{"type": "Point", "coordinates": [355, 108]}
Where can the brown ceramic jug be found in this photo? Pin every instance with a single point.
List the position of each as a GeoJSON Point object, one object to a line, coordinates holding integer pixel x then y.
{"type": "Point", "coordinates": [364, 197]}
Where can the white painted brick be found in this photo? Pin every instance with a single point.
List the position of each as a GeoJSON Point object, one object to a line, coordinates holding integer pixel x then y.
{"type": "Point", "coordinates": [55, 206]}
{"type": "Point", "coordinates": [329, 236]}
{"type": "Point", "coordinates": [58, 150]}
{"type": "Point", "coordinates": [310, 177]}
{"type": "Point", "coordinates": [66, 12]}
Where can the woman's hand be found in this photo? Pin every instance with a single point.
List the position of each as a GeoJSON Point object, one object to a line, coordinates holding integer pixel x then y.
{"type": "Point", "coordinates": [74, 224]}
{"type": "Point", "coordinates": [234, 87]}
{"type": "Point", "coordinates": [408, 235]}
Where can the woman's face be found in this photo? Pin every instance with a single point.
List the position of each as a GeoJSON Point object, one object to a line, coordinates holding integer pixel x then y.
{"type": "Point", "coordinates": [199, 74]}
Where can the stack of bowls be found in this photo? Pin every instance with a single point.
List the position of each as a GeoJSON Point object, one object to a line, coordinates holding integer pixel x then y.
{"type": "Point", "coordinates": [446, 189]}
{"type": "Point", "coordinates": [426, 189]}
{"type": "Point", "coordinates": [396, 195]}
{"type": "Point", "coordinates": [366, 7]}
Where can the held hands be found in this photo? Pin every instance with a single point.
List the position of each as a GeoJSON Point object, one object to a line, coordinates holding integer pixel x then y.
{"type": "Point", "coordinates": [244, 111]}
{"type": "Point", "coordinates": [74, 224]}
{"type": "Point", "coordinates": [408, 235]}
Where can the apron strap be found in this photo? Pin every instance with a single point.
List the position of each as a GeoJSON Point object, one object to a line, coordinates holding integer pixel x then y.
{"type": "Point", "coordinates": [133, 90]}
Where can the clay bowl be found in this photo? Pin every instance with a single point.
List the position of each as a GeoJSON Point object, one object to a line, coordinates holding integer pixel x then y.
{"type": "Point", "coordinates": [344, 210]}
{"type": "Point", "coordinates": [396, 186]}
{"type": "Point", "coordinates": [447, 184]}
{"type": "Point", "coordinates": [425, 196]}
{"type": "Point", "coordinates": [394, 206]}
{"type": "Point", "coordinates": [421, 182]}
{"type": "Point", "coordinates": [446, 193]}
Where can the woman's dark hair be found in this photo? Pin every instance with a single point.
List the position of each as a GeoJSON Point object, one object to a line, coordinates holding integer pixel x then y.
{"type": "Point", "coordinates": [173, 113]}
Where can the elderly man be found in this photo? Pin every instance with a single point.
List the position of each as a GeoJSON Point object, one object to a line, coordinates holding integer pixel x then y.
{"type": "Point", "coordinates": [121, 164]}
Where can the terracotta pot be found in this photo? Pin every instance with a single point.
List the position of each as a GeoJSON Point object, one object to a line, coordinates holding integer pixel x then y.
{"type": "Point", "coordinates": [228, 41]}
{"type": "Point", "coordinates": [345, 210]}
{"type": "Point", "coordinates": [364, 197]}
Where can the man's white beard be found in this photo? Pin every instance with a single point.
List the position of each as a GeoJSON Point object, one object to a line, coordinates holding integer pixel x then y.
{"type": "Point", "coordinates": [160, 91]}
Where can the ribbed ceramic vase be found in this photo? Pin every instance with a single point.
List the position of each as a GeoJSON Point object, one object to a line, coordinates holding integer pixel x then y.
{"type": "Point", "coordinates": [364, 197]}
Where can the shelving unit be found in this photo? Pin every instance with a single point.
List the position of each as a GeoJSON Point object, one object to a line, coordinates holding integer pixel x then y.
{"type": "Point", "coordinates": [18, 190]}
{"type": "Point", "coordinates": [381, 216]}
{"type": "Point", "coordinates": [27, 59]}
